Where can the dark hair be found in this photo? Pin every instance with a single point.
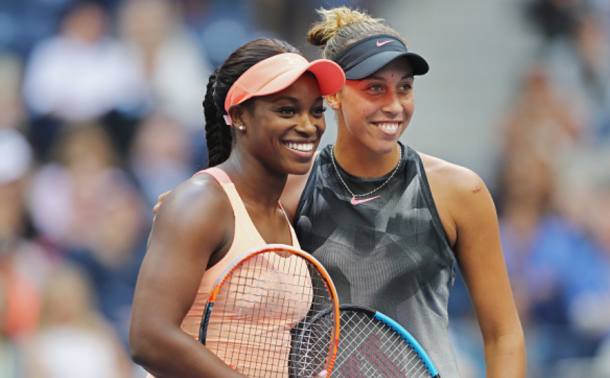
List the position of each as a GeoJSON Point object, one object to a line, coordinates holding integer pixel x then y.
{"type": "Point", "coordinates": [218, 134]}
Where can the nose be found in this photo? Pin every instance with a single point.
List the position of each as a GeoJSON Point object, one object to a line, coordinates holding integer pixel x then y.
{"type": "Point", "coordinates": [307, 125]}
{"type": "Point", "coordinates": [392, 106]}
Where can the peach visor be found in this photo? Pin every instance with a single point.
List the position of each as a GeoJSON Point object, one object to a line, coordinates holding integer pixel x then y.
{"type": "Point", "coordinates": [277, 73]}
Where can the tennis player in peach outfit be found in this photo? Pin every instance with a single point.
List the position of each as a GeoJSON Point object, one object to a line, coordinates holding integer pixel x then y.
{"type": "Point", "coordinates": [264, 119]}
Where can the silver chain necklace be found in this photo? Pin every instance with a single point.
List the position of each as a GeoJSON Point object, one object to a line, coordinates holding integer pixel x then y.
{"type": "Point", "coordinates": [354, 200]}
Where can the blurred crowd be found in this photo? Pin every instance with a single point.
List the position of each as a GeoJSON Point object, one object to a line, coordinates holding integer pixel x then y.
{"type": "Point", "coordinates": [555, 189]}
{"type": "Point", "coordinates": [100, 112]}
{"type": "Point", "coordinates": [553, 192]}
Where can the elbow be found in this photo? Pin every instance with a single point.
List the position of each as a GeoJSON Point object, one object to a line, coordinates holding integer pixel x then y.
{"type": "Point", "coordinates": [513, 337]}
{"type": "Point", "coordinates": [143, 348]}
{"type": "Point", "coordinates": [510, 343]}
{"type": "Point", "coordinates": [139, 354]}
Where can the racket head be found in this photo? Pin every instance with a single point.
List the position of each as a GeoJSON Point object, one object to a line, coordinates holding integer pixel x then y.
{"type": "Point", "coordinates": [374, 345]}
{"type": "Point", "coordinates": [260, 306]}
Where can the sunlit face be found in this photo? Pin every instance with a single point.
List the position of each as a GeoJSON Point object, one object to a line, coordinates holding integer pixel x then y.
{"type": "Point", "coordinates": [375, 111]}
{"type": "Point", "coordinates": [283, 130]}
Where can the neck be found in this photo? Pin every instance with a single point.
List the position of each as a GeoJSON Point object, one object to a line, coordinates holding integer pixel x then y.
{"type": "Point", "coordinates": [362, 162]}
{"type": "Point", "coordinates": [256, 184]}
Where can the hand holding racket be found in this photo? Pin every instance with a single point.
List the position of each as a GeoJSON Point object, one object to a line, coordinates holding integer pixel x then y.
{"type": "Point", "coordinates": [373, 345]}
{"type": "Point", "coordinates": [259, 312]}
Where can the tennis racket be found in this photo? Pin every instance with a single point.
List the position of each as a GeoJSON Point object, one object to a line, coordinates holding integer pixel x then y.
{"type": "Point", "coordinates": [259, 311]}
{"type": "Point", "coordinates": [373, 345]}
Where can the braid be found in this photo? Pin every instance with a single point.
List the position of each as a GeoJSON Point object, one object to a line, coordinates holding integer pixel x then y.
{"type": "Point", "coordinates": [218, 134]}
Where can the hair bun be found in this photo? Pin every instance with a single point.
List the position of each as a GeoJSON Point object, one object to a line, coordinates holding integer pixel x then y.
{"type": "Point", "coordinates": [333, 20]}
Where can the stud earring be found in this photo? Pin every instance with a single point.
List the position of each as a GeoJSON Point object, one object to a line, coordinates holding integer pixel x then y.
{"type": "Point", "coordinates": [241, 127]}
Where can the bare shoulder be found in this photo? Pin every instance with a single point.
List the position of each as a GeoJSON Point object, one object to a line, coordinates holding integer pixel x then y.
{"type": "Point", "coordinates": [457, 177]}
{"type": "Point", "coordinates": [197, 194]}
{"type": "Point", "coordinates": [458, 193]}
{"type": "Point", "coordinates": [198, 208]}
{"type": "Point", "coordinates": [451, 179]}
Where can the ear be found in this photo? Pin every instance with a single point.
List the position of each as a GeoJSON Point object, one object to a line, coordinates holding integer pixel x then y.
{"type": "Point", "coordinates": [236, 112]}
{"type": "Point", "coordinates": [333, 100]}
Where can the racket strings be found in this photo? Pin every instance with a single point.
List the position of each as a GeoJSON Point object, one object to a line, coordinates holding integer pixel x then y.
{"type": "Point", "coordinates": [314, 337]}
{"type": "Point", "coordinates": [260, 308]}
{"type": "Point", "coordinates": [368, 348]}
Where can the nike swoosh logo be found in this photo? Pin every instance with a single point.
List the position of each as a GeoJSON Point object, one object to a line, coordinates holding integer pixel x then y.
{"type": "Point", "coordinates": [355, 201]}
{"type": "Point", "coordinates": [379, 44]}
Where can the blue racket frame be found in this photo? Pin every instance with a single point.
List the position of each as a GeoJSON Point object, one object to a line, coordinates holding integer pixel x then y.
{"type": "Point", "coordinates": [410, 339]}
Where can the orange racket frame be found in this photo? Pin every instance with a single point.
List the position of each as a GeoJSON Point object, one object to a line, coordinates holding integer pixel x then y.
{"type": "Point", "coordinates": [280, 249]}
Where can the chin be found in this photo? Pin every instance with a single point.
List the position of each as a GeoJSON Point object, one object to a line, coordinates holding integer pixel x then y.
{"type": "Point", "coordinates": [300, 170]}
{"type": "Point", "coordinates": [385, 148]}
{"type": "Point", "coordinates": [293, 168]}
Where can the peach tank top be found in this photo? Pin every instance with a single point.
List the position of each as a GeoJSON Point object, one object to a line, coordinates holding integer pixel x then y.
{"type": "Point", "coordinates": [246, 237]}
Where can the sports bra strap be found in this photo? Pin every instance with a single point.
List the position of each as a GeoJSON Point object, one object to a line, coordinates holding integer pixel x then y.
{"type": "Point", "coordinates": [220, 175]}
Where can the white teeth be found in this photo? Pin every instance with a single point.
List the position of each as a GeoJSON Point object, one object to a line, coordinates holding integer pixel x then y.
{"type": "Point", "coordinates": [300, 146]}
{"type": "Point", "coordinates": [388, 126]}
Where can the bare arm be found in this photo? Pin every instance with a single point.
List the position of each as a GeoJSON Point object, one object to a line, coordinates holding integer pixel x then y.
{"type": "Point", "coordinates": [194, 222]}
{"type": "Point", "coordinates": [469, 215]}
{"type": "Point", "coordinates": [481, 261]}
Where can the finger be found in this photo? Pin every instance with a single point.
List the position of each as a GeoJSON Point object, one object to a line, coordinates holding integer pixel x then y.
{"type": "Point", "coordinates": [323, 373]}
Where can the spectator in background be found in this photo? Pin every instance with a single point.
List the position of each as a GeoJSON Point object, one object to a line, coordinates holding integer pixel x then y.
{"type": "Point", "coordinates": [12, 110]}
{"type": "Point", "coordinates": [23, 265]}
{"type": "Point", "coordinates": [79, 74]}
{"type": "Point", "coordinates": [547, 221]}
{"type": "Point", "coordinates": [593, 52]}
{"type": "Point", "coordinates": [526, 197]}
{"type": "Point", "coordinates": [541, 245]}
{"type": "Point", "coordinates": [66, 192]}
{"type": "Point", "coordinates": [161, 156]}
{"type": "Point", "coordinates": [221, 26]}
{"type": "Point", "coordinates": [73, 341]}
{"type": "Point", "coordinates": [587, 277]}
{"type": "Point", "coordinates": [11, 359]}
{"type": "Point", "coordinates": [90, 211]}
{"type": "Point", "coordinates": [540, 122]}
{"type": "Point", "coordinates": [113, 256]}
{"type": "Point", "coordinates": [538, 132]}
{"type": "Point", "coordinates": [553, 19]}
{"type": "Point", "coordinates": [173, 64]}
{"type": "Point", "coordinates": [579, 70]}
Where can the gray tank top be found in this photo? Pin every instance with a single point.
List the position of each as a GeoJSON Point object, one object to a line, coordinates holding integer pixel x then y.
{"type": "Point", "coordinates": [390, 253]}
